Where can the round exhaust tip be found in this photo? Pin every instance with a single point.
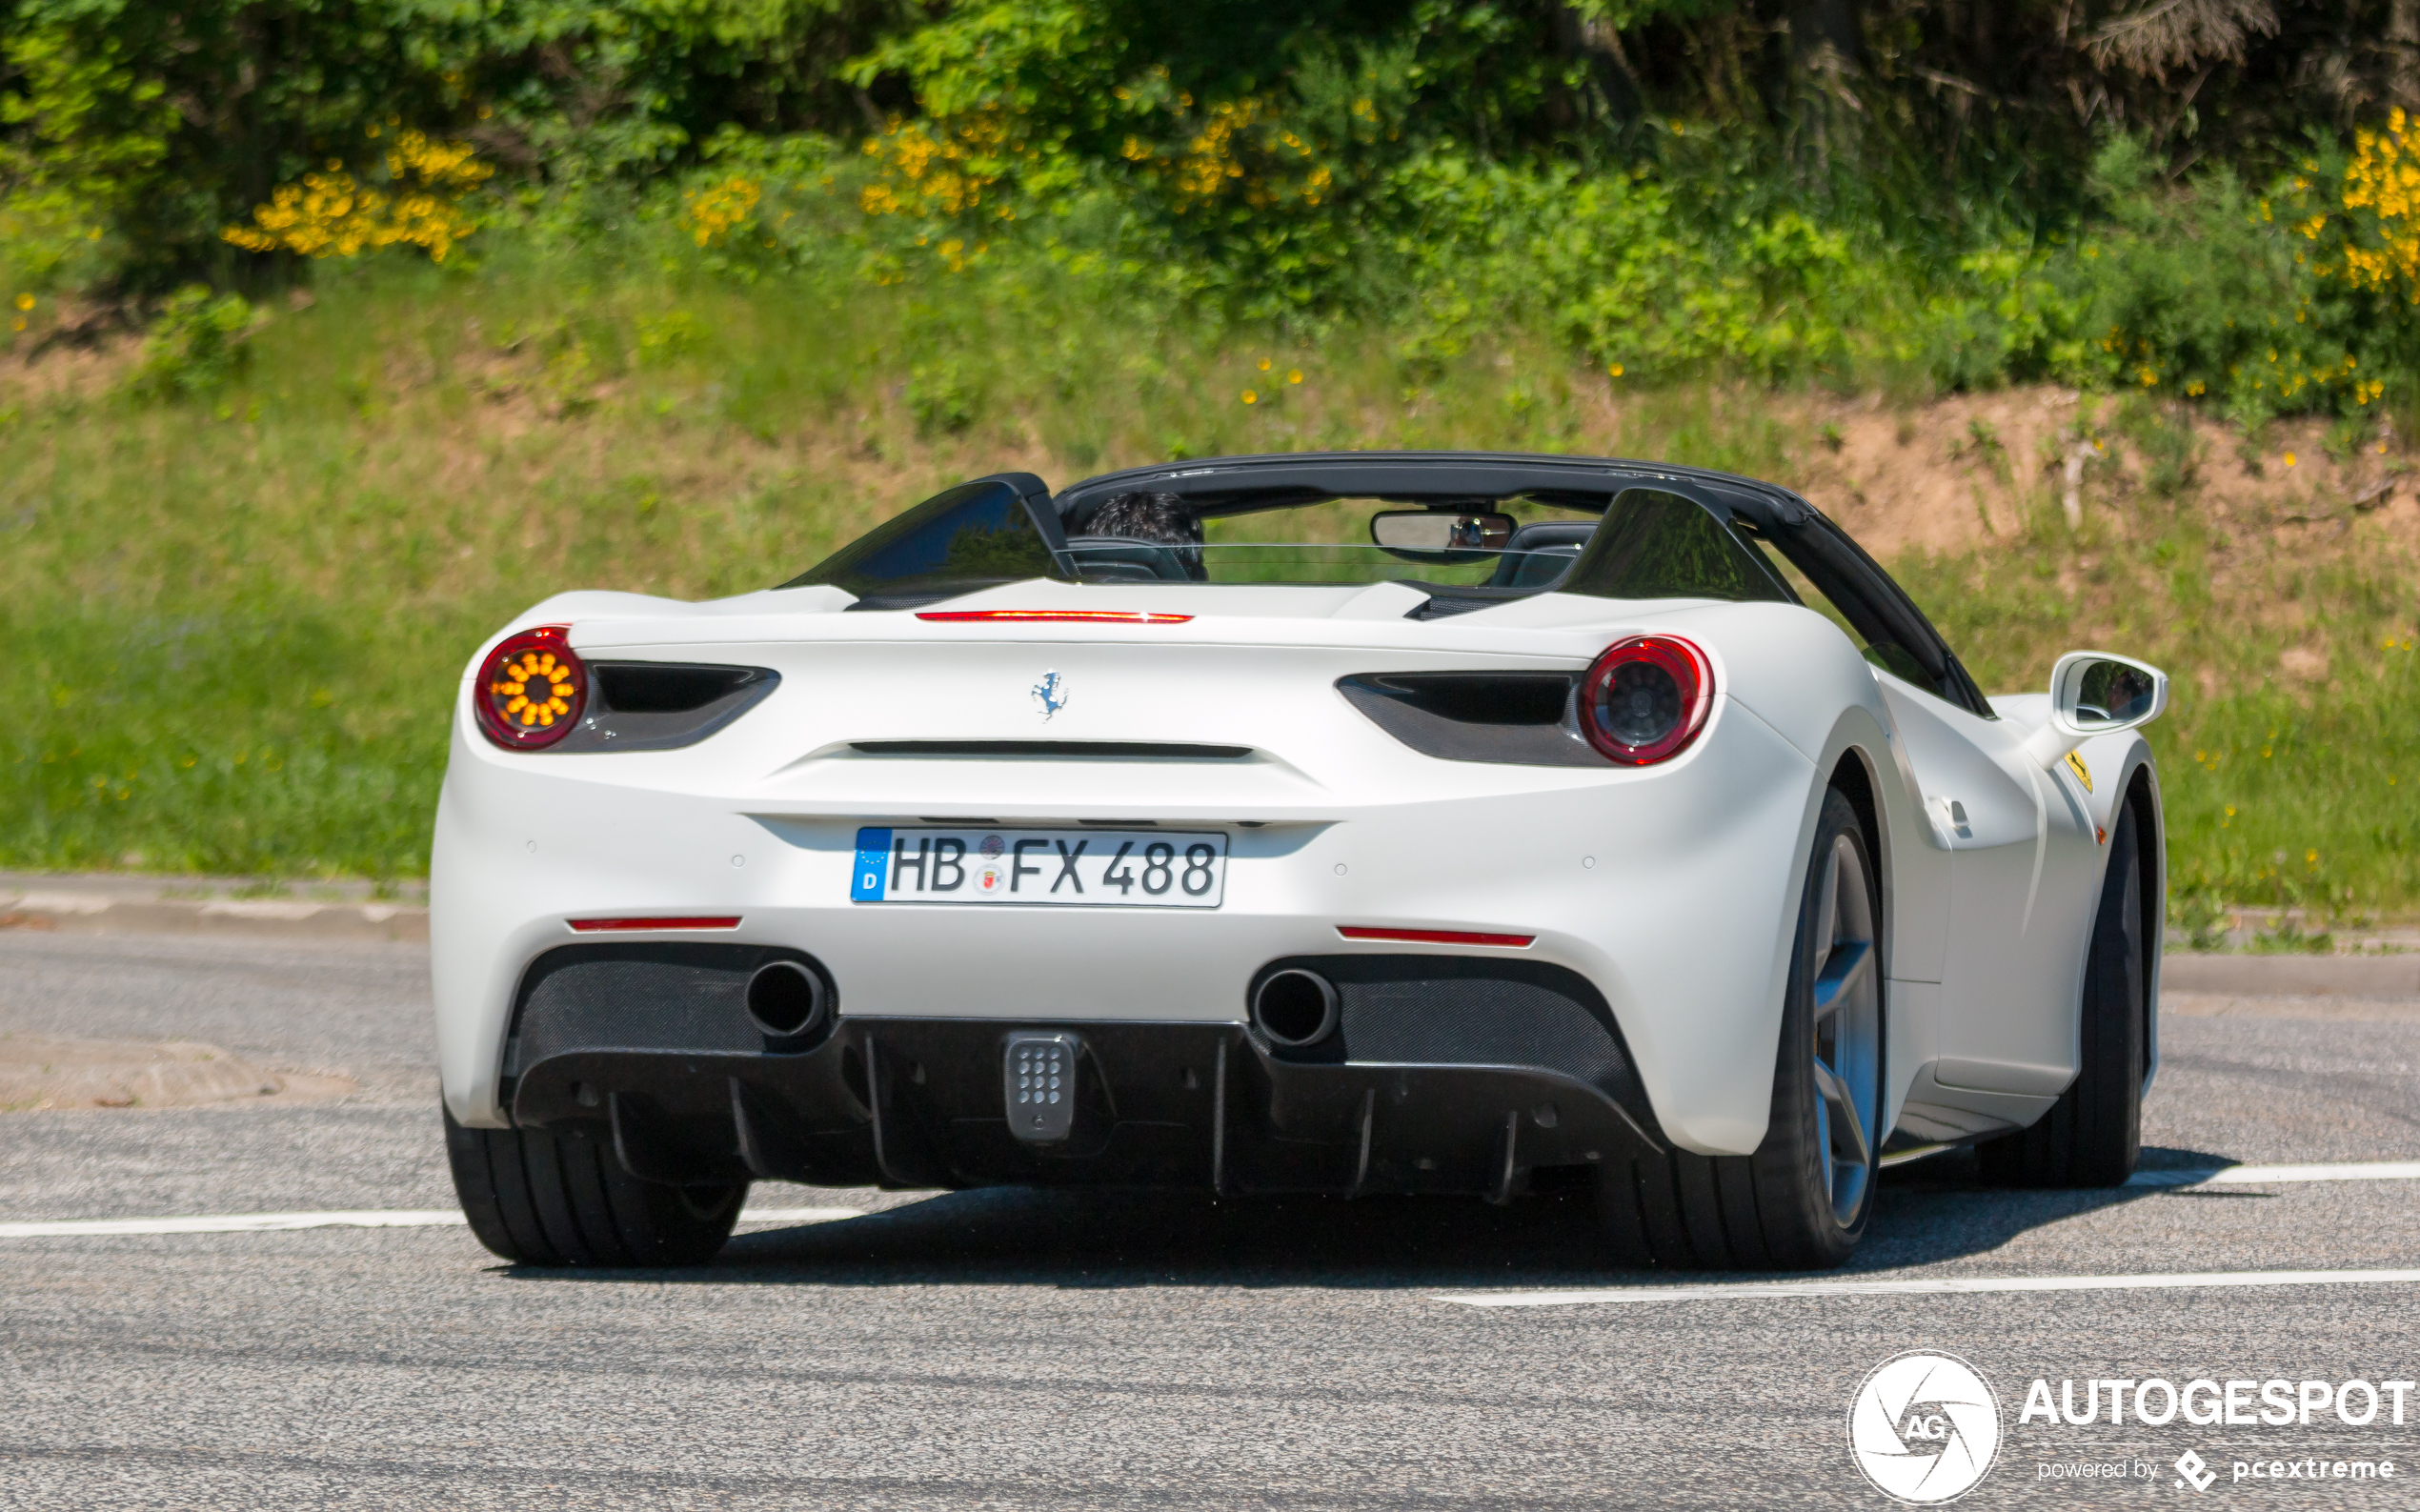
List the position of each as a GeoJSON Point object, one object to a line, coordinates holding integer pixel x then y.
{"type": "Point", "coordinates": [785, 999]}
{"type": "Point", "coordinates": [1295, 1007]}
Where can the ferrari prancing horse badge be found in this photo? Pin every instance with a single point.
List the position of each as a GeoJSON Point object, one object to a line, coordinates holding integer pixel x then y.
{"type": "Point", "coordinates": [1052, 692]}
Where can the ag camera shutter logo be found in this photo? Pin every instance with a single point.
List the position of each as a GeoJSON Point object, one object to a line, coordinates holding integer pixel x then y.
{"type": "Point", "coordinates": [1924, 1428]}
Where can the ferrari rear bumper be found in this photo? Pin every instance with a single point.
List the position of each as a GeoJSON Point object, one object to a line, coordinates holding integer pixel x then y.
{"type": "Point", "coordinates": [1443, 1075]}
{"type": "Point", "coordinates": [1667, 888]}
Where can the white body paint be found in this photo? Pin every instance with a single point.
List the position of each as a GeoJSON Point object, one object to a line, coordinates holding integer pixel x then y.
{"type": "Point", "coordinates": [1683, 920]}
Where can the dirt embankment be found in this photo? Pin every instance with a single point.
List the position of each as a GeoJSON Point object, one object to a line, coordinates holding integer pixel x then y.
{"type": "Point", "coordinates": [1969, 472]}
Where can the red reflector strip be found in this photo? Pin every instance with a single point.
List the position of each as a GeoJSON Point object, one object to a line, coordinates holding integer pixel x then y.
{"type": "Point", "coordinates": [590, 926]}
{"type": "Point", "coordinates": [1049, 616]}
{"type": "Point", "coordinates": [1435, 937]}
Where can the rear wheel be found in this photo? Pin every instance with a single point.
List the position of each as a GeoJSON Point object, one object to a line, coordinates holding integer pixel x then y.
{"type": "Point", "coordinates": [1801, 1201]}
{"type": "Point", "coordinates": [537, 1196]}
{"type": "Point", "coordinates": [2093, 1133]}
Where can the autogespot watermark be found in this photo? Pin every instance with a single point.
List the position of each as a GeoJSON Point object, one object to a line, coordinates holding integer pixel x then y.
{"type": "Point", "coordinates": [1924, 1428]}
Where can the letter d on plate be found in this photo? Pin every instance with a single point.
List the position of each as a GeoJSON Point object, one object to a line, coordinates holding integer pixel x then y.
{"type": "Point", "coordinates": [873, 855]}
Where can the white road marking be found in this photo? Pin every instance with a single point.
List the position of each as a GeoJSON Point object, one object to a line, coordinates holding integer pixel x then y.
{"type": "Point", "coordinates": [799, 1215]}
{"type": "Point", "coordinates": [1934, 1285]}
{"type": "Point", "coordinates": [2263, 1174]}
{"type": "Point", "coordinates": [278, 1223]}
{"type": "Point", "coordinates": [433, 1217]}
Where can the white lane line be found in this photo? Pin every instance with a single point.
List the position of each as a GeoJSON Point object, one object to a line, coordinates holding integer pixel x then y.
{"type": "Point", "coordinates": [273, 1223]}
{"type": "Point", "coordinates": [1936, 1285]}
{"type": "Point", "coordinates": [229, 1223]}
{"type": "Point", "coordinates": [278, 1223]}
{"type": "Point", "coordinates": [2263, 1174]}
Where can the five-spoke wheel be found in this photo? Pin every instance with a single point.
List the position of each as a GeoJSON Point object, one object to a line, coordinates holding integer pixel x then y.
{"type": "Point", "coordinates": [1801, 1201]}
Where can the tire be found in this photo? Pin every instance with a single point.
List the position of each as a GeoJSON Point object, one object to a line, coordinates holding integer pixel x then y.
{"type": "Point", "coordinates": [1801, 1201]}
{"type": "Point", "coordinates": [536, 1197]}
{"type": "Point", "coordinates": [2092, 1134]}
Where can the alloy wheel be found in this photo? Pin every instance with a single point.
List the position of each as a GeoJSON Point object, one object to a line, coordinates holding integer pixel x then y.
{"type": "Point", "coordinates": [1848, 1012]}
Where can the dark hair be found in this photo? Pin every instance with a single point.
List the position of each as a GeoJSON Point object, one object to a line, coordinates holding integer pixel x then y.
{"type": "Point", "coordinates": [1159, 518]}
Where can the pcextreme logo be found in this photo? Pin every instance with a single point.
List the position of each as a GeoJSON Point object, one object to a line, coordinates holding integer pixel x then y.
{"type": "Point", "coordinates": [1924, 1428]}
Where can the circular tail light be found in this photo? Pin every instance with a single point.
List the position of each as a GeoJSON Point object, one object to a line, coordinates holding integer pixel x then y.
{"type": "Point", "coordinates": [530, 690]}
{"type": "Point", "coordinates": [1646, 698]}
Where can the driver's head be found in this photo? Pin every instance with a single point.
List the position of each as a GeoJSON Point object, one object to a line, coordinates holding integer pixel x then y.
{"type": "Point", "coordinates": [1159, 518]}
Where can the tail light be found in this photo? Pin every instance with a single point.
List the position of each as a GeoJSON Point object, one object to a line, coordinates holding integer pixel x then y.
{"type": "Point", "coordinates": [530, 690]}
{"type": "Point", "coordinates": [1646, 698]}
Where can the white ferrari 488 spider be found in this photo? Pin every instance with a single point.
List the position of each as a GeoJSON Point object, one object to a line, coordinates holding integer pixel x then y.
{"type": "Point", "coordinates": [1353, 823]}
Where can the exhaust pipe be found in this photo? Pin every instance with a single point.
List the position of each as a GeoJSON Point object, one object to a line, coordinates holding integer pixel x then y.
{"type": "Point", "coordinates": [785, 999]}
{"type": "Point", "coordinates": [1294, 1008]}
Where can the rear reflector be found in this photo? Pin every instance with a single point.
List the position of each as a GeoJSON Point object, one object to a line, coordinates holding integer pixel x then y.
{"type": "Point", "coordinates": [1436, 936]}
{"type": "Point", "coordinates": [1049, 616]}
{"type": "Point", "coordinates": [590, 926]}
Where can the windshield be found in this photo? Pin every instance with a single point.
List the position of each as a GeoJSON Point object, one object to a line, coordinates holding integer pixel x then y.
{"type": "Point", "coordinates": [1647, 543]}
{"type": "Point", "coordinates": [1311, 562]}
{"type": "Point", "coordinates": [1523, 546]}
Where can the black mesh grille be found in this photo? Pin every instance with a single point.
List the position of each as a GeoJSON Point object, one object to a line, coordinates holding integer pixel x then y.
{"type": "Point", "coordinates": [1444, 1010]}
{"type": "Point", "coordinates": [1475, 1022]}
{"type": "Point", "coordinates": [639, 996]}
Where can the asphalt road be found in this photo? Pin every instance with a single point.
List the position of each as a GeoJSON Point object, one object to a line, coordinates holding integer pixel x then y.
{"type": "Point", "coordinates": [1018, 1349]}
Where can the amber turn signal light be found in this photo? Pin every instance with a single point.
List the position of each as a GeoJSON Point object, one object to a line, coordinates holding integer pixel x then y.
{"type": "Point", "coordinates": [530, 690]}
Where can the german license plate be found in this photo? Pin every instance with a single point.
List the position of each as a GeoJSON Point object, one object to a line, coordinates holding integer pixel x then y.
{"type": "Point", "coordinates": [1068, 868]}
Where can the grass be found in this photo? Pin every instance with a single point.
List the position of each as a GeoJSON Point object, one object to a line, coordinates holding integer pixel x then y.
{"type": "Point", "coordinates": [235, 622]}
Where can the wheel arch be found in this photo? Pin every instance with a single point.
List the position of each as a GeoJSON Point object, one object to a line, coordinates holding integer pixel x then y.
{"type": "Point", "coordinates": [1853, 774]}
{"type": "Point", "coordinates": [2141, 791]}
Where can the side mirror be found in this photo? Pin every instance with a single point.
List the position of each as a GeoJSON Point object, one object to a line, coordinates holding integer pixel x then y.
{"type": "Point", "coordinates": [2094, 693]}
{"type": "Point", "coordinates": [1440, 531]}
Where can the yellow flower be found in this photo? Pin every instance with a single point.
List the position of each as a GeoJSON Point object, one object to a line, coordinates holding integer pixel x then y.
{"type": "Point", "coordinates": [714, 213]}
{"type": "Point", "coordinates": [1264, 364]}
{"type": "Point", "coordinates": [1615, 371]}
{"type": "Point", "coordinates": [25, 301]}
{"type": "Point", "coordinates": [1295, 375]}
{"type": "Point", "coordinates": [2290, 459]}
{"type": "Point", "coordinates": [1250, 398]}
{"type": "Point", "coordinates": [331, 216]}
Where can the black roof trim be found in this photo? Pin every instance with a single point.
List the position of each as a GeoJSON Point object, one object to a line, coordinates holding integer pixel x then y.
{"type": "Point", "coordinates": [1410, 477]}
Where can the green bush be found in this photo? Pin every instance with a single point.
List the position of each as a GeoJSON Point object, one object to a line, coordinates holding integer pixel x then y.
{"type": "Point", "coordinates": [195, 345]}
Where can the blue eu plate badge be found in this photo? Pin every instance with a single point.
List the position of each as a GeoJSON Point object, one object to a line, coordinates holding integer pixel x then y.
{"type": "Point", "coordinates": [873, 858]}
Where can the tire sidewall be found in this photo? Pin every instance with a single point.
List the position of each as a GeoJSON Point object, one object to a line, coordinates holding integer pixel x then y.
{"type": "Point", "coordinates": [1793, 1155]}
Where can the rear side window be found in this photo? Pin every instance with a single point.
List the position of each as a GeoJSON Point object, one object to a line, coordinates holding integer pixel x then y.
{"type": "Point", "coordinates": [1659, 545]}
{"type": "Point", "coordinates": [971, 536]}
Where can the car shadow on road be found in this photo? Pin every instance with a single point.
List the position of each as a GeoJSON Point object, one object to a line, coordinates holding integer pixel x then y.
{"type": "Point", "coordinates": [1936, 1211]}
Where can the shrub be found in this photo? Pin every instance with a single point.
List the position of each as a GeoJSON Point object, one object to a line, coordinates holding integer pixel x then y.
{"type": "Point", "coordinates": [195, 345]}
